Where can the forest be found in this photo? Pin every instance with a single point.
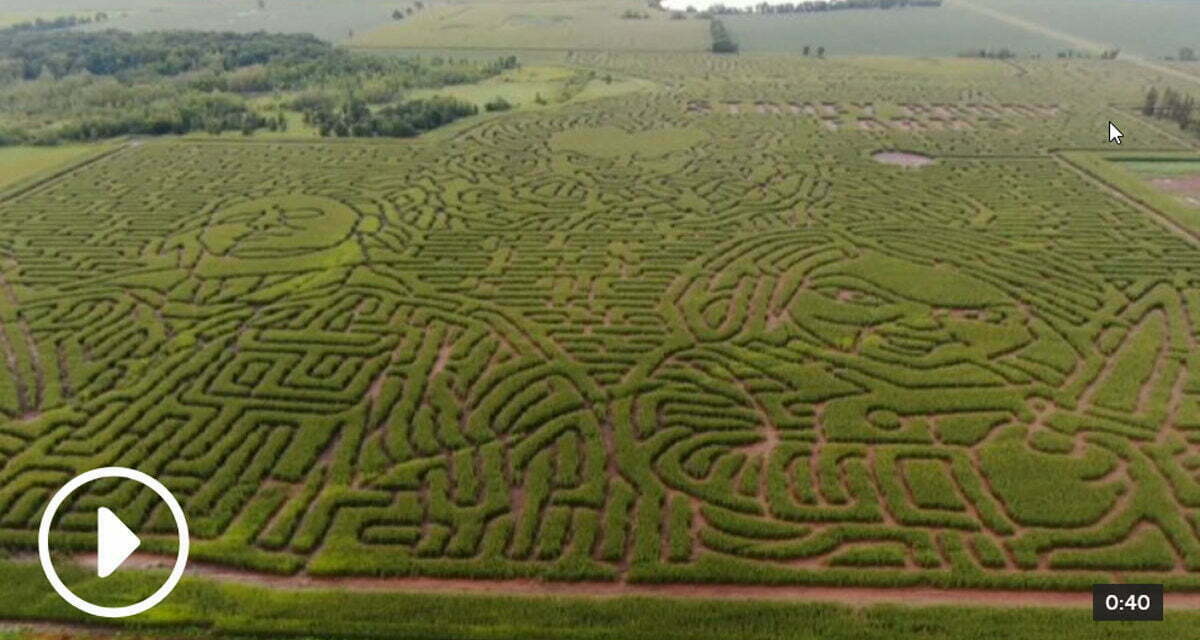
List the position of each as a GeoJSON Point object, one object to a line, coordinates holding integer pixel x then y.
{"type": "Point", "coordinates": [401, 120]}
{"type": "Point", "coordinates": [60, 85]}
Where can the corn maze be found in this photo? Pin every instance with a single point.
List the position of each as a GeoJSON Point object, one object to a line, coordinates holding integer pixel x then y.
{"type": "Point", "coordinates": [635, 339]}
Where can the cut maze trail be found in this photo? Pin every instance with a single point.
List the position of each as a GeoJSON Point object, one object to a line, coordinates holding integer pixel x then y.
{"type": "Point", "coordinates": [705, 364]}
{"type": "Point", "coordinates": [850, 596]}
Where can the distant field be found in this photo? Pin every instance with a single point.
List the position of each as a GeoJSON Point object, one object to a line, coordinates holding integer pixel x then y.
{"type": "Point", "coordinates": [945, 31]}
{"type": "Point", "coordinates": [8, 18]}
{"type": "Point", "coordinates": [1153, 28]}
{"type": "Point", "coordinates": [1175, 179]}
{"type": "Point", "coordinates": [18, 163]}
{"type": "Point", "coordinates": [328, 20]}
{"type": "Point", "coordinates": [560, 24]}
{"type": "Point", "coordinates": [1163, 168]}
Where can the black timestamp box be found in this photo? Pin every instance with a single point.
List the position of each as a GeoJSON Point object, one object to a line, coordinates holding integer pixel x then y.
{"type": "Point", "coordinates": [1128, 602]}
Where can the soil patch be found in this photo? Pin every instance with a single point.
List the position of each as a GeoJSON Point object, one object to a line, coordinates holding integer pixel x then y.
{"type": "Point", "coordinates": [1184, 185]}
{"type": "Point", "coordinates": [903, 159]}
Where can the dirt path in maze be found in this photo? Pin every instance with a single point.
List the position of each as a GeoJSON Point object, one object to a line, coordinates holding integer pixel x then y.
{"type": "Point", "coordinates": [849, 596]}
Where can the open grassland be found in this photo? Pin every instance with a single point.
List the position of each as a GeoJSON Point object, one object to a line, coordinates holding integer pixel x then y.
{"type": "Point", "coordinates": [691, 334]}
{"type": "Point", "coordinates": [557, 24]}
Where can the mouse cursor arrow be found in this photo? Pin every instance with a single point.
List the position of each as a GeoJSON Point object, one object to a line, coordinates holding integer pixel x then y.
{"type": "Point", "coordinates": [1114, 134]}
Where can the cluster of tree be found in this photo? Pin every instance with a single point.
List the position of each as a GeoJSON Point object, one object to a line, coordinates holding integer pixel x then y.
{"type": "Point", "coordinates": [811, 6]}
{"type": "Point", "coordinates": [59, 86]}
{"type": "Point", "coordinates": [1187, 54]}
{"type": "Point", "coordinates": [820, 51]}
{"type": "Point", "coordinates": [722, 42]}
{"type": "Point", "coordinates": [213, 113]}
{"type": "Point", "coordinates": [1172, 105]}
{"type": "Point", "coordinates": [354, 118]}
{"type": "Point", "coordinates": [408, 11]}
{"type": "Point", "coordinates": [1003, 53]}
{"type": "Point", "coordinates": [1107, 54]}
{"type": "Point", "coordinates": [630, 14]}
{"type": "Point", "coordinates": [498, 104]}
{"type": "Point", "coordinates": [61, 22]}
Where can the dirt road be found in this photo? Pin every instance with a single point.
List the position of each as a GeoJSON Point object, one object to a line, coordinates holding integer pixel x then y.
{"type": "Point", "coordinates": [851, 596]}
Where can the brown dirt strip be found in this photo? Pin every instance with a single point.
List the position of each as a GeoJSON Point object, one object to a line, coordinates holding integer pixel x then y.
{"type": "Point", "coordinates": [849, 596]}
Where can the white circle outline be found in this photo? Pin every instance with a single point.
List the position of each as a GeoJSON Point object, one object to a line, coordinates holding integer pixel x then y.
{"type": "Point", "coordinates": [44, 543]}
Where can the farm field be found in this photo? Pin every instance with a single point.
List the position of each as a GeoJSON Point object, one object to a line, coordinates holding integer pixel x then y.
{"type": "Point", "coordinates": [8, 18]}
{"type": "Point", "coordinates": [1152, 28]}
{"type": "Point", "coordinates": [943, 31]}
{"type": "Point", "coordinates": [728, 322]}
{"type": "Point", "coordinates": [334, 21]}
{"type": "Point", "coordinates": [522, 25]}
{"type": "Point", "coordinates": [1177, 177]}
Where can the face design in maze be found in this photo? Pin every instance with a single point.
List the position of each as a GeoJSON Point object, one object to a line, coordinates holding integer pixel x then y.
{"type": "Point", "coordinates": [883, 346]}
{"type": "Point", "coordinates": [908, 314]}
{"type": "Point", "coordinates": [279, 226]}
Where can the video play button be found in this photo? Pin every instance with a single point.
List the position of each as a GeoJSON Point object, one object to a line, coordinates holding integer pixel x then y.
{"type": "Point", "coordinates": [115, 542]}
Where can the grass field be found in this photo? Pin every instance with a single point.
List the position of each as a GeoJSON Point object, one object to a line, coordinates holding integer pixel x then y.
{"type": "Point", "coordinates": [682, 328]}
{"type": "Point", "coordinates": [19, 163]}
{"type": "Point", "coordinates": [326, 20]}
{"type": "Point", "coordinates": [560, 24]}
{"type": "Point", "coordinates": [943, 31]}
{"type": "Point", "coordinates": [1154, 28]}
{"type": "Point", "coordinates": [8, 18]}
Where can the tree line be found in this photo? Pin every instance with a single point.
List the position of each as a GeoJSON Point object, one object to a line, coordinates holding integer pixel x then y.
{"type": "Point", "coordinates": [1174, 106]}
{"type": "Point", "coordinates": [1186, 54]}
{"type": "Point", "coordinates": [1001, 53]}
{"type": "Point", "coordinates": [766, 8]}
{"type": "Point", "coordinates": [1004, 53]}
{"type": "Point", "coordinates": [61, 22]}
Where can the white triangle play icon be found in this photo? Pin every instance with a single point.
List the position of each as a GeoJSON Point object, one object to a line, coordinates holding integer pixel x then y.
{"type": "Point", "coordinates": [116, 542]}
